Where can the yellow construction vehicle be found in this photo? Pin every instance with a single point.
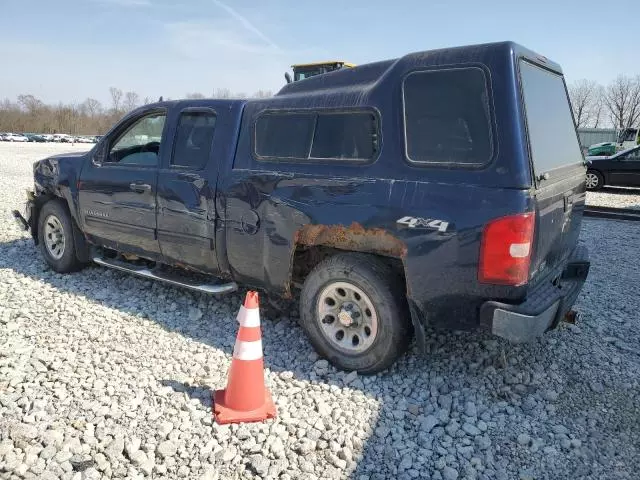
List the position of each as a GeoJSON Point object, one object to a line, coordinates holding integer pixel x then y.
{"type": "Point", "coordinates": [306, 70]}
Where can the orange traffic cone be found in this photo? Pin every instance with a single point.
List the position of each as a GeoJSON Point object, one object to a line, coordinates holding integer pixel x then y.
{"type": "Point", "coordinates": [246, 398]}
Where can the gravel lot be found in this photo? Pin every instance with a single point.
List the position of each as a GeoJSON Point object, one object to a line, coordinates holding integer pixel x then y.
{"type": "Point", "coordinates": [106, 376]}
{"type": "Point", "coordinates": [620, 197]}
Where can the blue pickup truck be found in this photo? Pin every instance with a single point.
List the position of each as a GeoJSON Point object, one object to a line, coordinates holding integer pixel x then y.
{"type": "Point", "coordinates": [444, 188]}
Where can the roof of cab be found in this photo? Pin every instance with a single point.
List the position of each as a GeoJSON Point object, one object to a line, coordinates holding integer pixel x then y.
{"type": "Point", "coordinates": [194, 102]}
{"type": "Point", "coordinates": [366, 75]}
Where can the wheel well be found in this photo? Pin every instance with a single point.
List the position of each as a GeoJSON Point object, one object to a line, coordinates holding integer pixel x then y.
{"type": "Point", "coordinates": [306, 258]}
{"type": "Point", "coordinates": [82, 248]}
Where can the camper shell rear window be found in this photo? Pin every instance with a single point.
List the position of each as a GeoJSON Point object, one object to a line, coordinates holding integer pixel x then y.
{"type": "Point", "coordinates": [553, 141]}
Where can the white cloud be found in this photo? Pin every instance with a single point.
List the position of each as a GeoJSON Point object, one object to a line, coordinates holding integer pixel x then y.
{"type": "Point", "coordinates": [195, 39]}
{"type": "Point", "coordinates": [246, 23]}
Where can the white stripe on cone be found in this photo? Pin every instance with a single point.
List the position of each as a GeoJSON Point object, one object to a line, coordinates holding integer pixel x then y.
{"type": "Point", "coordinates": [247, 350]}
{"type": "Point", "coordinates": [249, 317]}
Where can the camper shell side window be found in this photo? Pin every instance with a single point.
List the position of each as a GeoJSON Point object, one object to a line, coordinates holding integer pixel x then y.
{"type": "Point", "coordinates": [447, 117]}
{"type": "Point", "coordinates": [317, 136]}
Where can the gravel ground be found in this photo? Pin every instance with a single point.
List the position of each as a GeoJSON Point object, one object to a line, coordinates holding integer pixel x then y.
{"type": "Point", "coordinates": [106, 376]}
{"type": "Point", "coordinates": [620, 197]}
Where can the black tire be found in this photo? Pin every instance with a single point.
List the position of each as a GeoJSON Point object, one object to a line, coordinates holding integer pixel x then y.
{"type": "Point", "coordinates": [67, 261]}
{"type": "Point", "coordinates": [600, 180]}
{"type": "Point", "coordinates": [386, 293]}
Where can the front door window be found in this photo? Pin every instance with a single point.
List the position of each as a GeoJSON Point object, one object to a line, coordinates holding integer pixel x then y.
{"type": "Point", "coordinates": [139, 144]}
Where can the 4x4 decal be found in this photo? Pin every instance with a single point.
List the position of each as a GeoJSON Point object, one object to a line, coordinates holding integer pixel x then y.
{"type": "Point", "coordinates": [417, 222]}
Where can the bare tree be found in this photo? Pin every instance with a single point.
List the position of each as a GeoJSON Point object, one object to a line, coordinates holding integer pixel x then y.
{"type": "Point", "coordinates": [598, 107]}
{"type": "Point", "coordinates": [92, 106]}
{"type": "Point", "coordinates": [195, 95]}
{"type": "Point", "coordinates": [131, 101]}
{"type": "Point", "coordinates": [263, 94]}
{"type": "Point", "coordinates": [582, 94]}
{"type": "Point", "coordinates": [634, 109]}
{"type": "Point", "coordinates": [622, 100]}
{"type": "Point", "coordinates": [146, 101]}
{"type": "Point", "coordinates": [222, 93]}
{"type": "Point", "coordinates": [30, 103]}
{"type": "Point", "coordinates": [116, 96]}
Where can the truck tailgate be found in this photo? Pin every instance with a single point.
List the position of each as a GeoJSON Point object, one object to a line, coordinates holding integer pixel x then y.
{"type": "Point", "coordinates": [559, 209]}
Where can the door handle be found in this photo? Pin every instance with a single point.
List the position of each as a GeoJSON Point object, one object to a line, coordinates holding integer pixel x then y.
{"type": "Point", "coordinates": [140, 187]}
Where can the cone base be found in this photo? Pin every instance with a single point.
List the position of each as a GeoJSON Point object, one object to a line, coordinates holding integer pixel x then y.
{"type": "Point", "coordinates": [224, 414]}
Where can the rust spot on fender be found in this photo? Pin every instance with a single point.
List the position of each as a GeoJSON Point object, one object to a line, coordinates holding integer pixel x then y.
{"type": "Point", "coordinates": [354, 237]}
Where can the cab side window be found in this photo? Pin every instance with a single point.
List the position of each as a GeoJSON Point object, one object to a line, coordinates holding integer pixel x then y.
{"type": "Point", "coordinates": [194, 138]}
{"type": "Point", "coordinates": [139, 144]}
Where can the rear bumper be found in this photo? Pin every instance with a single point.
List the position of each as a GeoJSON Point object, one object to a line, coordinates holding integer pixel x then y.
{"type": "Point", "coordinates": [543, 309]}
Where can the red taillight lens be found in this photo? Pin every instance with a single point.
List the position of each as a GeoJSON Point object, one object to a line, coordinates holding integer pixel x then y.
{"type": "Point", "coordinates": [505, 254]}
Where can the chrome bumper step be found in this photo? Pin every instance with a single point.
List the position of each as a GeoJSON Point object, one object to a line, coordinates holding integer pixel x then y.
{"type": "Point", "coordinates": [144, 272]}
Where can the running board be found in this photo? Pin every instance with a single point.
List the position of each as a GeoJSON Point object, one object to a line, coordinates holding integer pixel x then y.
{"type": "Point", "coordinates": [210, 288]}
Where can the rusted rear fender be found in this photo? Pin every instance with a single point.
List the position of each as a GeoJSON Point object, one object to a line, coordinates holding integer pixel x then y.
{"type": "Point", "coordinates": [351, 238]}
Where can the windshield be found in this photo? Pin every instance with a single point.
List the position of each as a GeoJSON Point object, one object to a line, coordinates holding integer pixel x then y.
{"type": "Point", "coordinates": [628, 151]}
{"type": "Point", "coordinates": [552, 133]}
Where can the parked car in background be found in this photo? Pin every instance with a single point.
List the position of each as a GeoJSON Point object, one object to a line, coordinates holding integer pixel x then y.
{"type": "Point", "coordinates": [47, 137]}
{"type": "Point", "coordinates": [33, 137]}
{"type": "Point", "coordinates": [62, 138]}
{"type": "Point", "coordinates": [602, 149]}
{"type": "Point", "coordinates": [628, 138]}
{"type": "Point", "coordinates": [14, 137]}
{"type": "Point", "coordinates": [621, 169]}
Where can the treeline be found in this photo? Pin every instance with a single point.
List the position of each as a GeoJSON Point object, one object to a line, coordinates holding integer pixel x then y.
{"type": "Point", "coordinates": [615, 105]}
{"type": "Point", "coordinates": [29, 114]}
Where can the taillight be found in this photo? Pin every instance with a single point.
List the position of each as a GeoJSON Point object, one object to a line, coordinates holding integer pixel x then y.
{"type": "Point", "coordinates": [505, 254]}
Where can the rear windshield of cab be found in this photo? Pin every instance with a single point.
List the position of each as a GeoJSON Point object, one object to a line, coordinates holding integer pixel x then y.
{"type": "Point", "coordinates": [553, 140]}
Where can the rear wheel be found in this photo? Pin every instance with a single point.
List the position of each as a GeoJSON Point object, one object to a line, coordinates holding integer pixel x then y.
{"type": "Point", "coordinates": [355, 313]}
{"type": "Point", "coordinates": [595, 181]}
{"type": "Point", "coordinates": [55, 237]}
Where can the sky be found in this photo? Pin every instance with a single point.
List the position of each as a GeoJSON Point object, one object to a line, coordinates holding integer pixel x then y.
{"type": "Point", "coordinates": [68, 50]}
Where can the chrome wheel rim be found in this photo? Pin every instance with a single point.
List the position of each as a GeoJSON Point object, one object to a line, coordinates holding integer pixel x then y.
{"type": "Point", "coordinates": [592, 180]}
{"type": "Point", "coordinates": [347, 317]}
{"type": "Point", "coordinates": [54, 237]}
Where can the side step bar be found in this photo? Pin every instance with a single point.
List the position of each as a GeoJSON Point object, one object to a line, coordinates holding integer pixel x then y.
{"type": "Point", "coordinates": [210, 288]}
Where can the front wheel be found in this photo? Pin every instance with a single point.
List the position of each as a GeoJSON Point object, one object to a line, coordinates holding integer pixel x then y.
{"type": "Point", "coordinates": [55, 237]}
{"type": "Point", "coordinates": [355, 314]}
{"type": "Point", "coordinates": [594, 181]}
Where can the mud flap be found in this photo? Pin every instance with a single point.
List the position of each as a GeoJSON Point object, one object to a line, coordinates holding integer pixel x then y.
{"type": "Point", "coordinates": [83, 252]}
{"type": "Point", "coordinates": [418, 326]}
